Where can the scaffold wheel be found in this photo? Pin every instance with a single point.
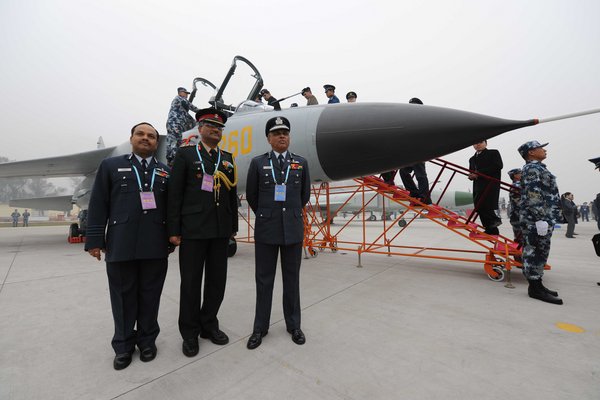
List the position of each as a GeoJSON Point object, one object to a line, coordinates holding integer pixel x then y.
{"type": "Point", "coordinates": [500, 273]}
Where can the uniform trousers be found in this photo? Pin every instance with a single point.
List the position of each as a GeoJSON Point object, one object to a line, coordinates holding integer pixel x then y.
{"type": "Point", "coordinates": [198, 257]}
{"type": "Point", "coordinates": [135, 288]}
{"type": "Point", "coordinates": [489, 220]}
{"type": "Point", "coordinates": [421, 175]}
{"type": "Point", "coordinates": [266, 265]}
{"type": "Point", "coordinates": [570, 225]}
{"type": "Point", "coordinates": [535, 252]}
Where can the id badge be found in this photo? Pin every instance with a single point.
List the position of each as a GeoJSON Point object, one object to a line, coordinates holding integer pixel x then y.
{"type": "Point", "coordinates": [279, 192]}
{"type": "Point", "coordinates": [148, 200]}
{"type": "Point", "coordinates": [207, 183]}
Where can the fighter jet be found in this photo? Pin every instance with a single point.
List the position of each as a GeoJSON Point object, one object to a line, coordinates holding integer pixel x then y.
{"type": "Point", "coordinates": [339, 141]}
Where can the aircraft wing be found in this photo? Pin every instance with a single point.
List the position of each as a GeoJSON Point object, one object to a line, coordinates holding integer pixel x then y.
{"type": "Point", "coordinates": [70, 165]}
{"type": "Point", "coordinates": [58, 203]}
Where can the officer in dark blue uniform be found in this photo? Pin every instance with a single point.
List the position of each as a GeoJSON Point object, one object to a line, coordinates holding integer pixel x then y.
{"type": "Point", "coordinates": [129, 195]}
{"type": "Point", "coordinates": [330, 93]}
{"type": "Point", "coordinates": [202, 217]}
{"type": "Point", "coordinates": [277, 189]}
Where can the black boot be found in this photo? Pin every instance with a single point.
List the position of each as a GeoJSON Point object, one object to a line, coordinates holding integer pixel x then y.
{"type": "Point", "coordinates": [550, 292]}
{"type": "Point", "coordinates": [536, 291]}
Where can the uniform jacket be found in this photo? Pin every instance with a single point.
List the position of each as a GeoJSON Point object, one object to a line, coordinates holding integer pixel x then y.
{"type": "Point", "coordinates": [312, 100]}
{"type": "Point", "coordinates": [278, 222]}
{"type": "Point", "coordinates": [132, 233]}
{"type": "Point", "coordinates": [274, 103]}
{"type": "Point", "coordinates": [514, 198]}
{"type": "Point", "coordinates": [488, 162]}
{"type": "Point", "coordinates": [179, 113]}
{"type": "Point", "coordinates": [194, 213]}
{"type": "Point", "coordinates": [333, 99]}
{"type": "Point", "coordinates": [540, 200]}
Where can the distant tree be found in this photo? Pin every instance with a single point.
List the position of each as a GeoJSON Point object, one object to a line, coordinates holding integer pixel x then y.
{"type": "Point", "coordinates": [19, 188]}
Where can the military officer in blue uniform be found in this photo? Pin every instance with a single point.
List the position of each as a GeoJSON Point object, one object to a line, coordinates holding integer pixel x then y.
{"type": "Point", "coordinates": [178, 121]}
{"type": "Point", "coordinates": [514, 197]}
{"type": "Point", "coordinates": [539, 210]}
{"type": "Point", "coordinates": [330, 93]}
{"type": "Point", "coordinates": [129, 196]}
{"type": "Point", "coordinates": [277, 189]}
{"type": "Point", "coordinates": [202, 217]}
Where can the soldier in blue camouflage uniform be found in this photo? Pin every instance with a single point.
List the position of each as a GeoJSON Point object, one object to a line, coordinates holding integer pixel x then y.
{"type": "Point", "coordinates": [179, 121]}
{"type": "Point", "coordinates": [539, 210]}
{"type": "Point", "coordinates": [514, 198]}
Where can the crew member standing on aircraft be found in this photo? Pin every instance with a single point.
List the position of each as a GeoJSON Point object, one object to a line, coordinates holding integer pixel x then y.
{"type": "Point", "coordinates": [130, 195]}
{"type": "Point", "coordinates": [311, 100]}
{"type": "Point", "coordinates": [514, 198]}
{"type": "Point", "coordinates": [330, 93]}
{"type": "Point", "coordinates": [178, 121]}
{"type": "Point", "coordinates": [539, 211]}
{"type": "Point", "coordinates": [202, 217]}
{"type": "Point", "coordinates": [351, 97]}
{"type": "Point", "coordinates": [421, 191]}
{"type": "Point", "coordinates": [15, 218]}
{"type": "Point", "coordinates": [272, 101]}
{"type": "Point", "coordinates": [485, 191]}
{"type": "Point", "coordinates": [277, 189]}
{"type": "Point", "coordinates": [26, 216]}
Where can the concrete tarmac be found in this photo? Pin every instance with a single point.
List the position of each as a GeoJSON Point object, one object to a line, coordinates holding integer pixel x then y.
{"type": "Point", "coordinates": [397, 328]}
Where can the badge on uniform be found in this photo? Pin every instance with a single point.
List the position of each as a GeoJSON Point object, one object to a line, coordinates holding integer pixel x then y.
{"type": "Point", "coordinates": [148, 200]}
{"type": "Point", "coordinates": [207, 183]}
{"type": "Point", "coordinates": [279, 192]}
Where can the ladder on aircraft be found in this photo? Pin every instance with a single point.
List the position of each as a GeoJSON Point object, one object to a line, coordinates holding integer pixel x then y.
{"type": "Point", "coordinates": [499, 254]}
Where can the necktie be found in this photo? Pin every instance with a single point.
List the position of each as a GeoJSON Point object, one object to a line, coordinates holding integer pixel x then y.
{"type": "Point", "coordinates": [213, 154]}
{"type": "Point", "coordinates": [144, 164]}
{"type": "Point", "coordinates": [281, 163]}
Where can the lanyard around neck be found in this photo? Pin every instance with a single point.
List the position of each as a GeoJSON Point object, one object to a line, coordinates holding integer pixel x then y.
{"type": "Point", "coordinates": [287, 174]}
{"type": "Point", "coordinates": [202, 162]}
{"type": "Point", "coordinates": [137, 175]}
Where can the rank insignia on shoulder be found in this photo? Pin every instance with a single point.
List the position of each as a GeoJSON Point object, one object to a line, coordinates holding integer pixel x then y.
{"type": "Point", "coordinates": [295, 165]}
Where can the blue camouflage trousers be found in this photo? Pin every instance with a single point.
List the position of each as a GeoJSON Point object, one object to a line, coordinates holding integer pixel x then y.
{"type": "Point", "coordinates": [174, 137]}
{"type": "Point", "coordinates": [535, 252]}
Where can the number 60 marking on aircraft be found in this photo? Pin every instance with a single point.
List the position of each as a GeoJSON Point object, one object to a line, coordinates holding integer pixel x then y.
{"type": "Point", "coordinates": [236, 142]}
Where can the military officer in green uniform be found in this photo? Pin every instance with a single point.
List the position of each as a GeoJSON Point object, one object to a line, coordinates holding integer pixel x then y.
{"type": "Point", "coordinates": [201, 218]}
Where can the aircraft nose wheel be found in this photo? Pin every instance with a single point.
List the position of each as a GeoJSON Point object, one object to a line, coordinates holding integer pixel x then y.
{"type": "Point", "coordinates": [500, 273]}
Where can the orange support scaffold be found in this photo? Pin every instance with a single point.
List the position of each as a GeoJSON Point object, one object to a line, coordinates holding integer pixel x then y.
{"type": "Point", "coordinates": [355, 202]}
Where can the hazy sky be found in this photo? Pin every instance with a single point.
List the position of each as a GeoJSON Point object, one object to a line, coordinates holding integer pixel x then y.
{"type": "Point", "coordinates": [75, 70]}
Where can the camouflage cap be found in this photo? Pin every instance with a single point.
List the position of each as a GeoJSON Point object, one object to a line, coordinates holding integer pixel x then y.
{"type": "Point", "coordinates": [514, 171]}
{"type": "Point", "coordinates": [596, 162]}
{"type": "Point", "coordinates": [525, 147]}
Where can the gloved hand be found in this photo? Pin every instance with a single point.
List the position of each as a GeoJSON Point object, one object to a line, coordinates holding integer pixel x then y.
{"type": "Point", "coordinates": [541, 227]}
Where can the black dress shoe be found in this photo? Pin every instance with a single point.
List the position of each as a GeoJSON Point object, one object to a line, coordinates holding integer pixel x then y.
{"type": "Point", "coordinates": [148, 353]}
{"type": "Point", "coordinates": [190, 347]}
{"type": "Point", "coordinates": [255, 340]}
{"type": "Point", "coordinates": [216, 336]}
{"type": "Point", "coordinates": [122, 360]}
{"type": "Point", "coordinates": [298, 336]}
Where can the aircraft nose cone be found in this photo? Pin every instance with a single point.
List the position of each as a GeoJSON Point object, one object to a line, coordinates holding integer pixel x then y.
{"type": "Point", "coordinates": [367, 138]}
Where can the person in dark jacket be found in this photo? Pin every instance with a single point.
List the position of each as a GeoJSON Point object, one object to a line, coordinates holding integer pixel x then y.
{"type": "Point", "coordinates": [569, 210]}
{"type": "Point", "coordinates": [486, 191]}
{"type": "Point", "coordinates": [277, 189]}
{"type": "Point", "coordinates": [130, 197]}
{"type": "Point", "coordinates": [272, 101]}
{"type": "Point", "coordinates": [202, 217]}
